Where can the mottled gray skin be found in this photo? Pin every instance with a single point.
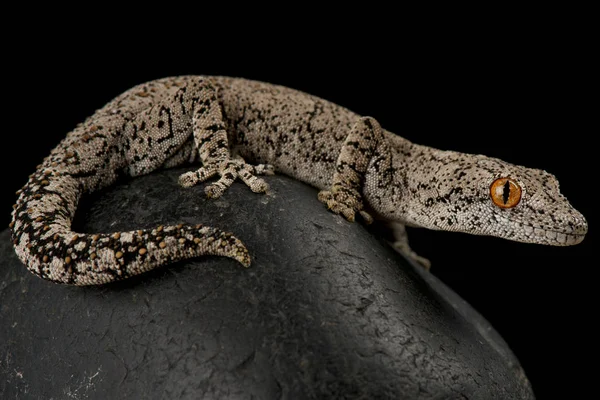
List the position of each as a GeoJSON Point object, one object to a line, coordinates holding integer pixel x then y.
{"type": "Point", "coordinates": [359, 168]}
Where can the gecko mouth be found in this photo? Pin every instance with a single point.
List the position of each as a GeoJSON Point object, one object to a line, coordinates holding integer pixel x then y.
{"type": "Point", "coordinates": [530, 234]}
{"type": "Point", "coordinates": [555, 238]}
{"type": "Point", "coordinates": [572, 233]}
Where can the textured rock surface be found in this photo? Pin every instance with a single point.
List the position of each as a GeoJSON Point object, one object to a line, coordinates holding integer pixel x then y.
{"type": "Point", "coordinates": [327, 310]}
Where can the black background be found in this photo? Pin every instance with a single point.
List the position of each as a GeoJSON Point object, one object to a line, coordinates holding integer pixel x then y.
{"type": "Point", "coordinates": [517, 88]}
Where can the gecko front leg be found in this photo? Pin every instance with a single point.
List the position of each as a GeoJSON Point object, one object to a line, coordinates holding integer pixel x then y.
{"type": "Point", "coordinates": [364, 148]}
{"type": "Point", "coordinates": [210, 138]}
{"type": "Point", "coordinates": [345, 195]}
{"type": "Point", "coordinates": [401, 245]}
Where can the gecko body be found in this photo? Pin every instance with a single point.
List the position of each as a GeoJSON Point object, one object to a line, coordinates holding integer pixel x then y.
{"type": "Point", "coordinates": [222, 124]}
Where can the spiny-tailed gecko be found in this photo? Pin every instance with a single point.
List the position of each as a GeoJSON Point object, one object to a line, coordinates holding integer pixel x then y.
{"type": "Point", "coordinates": [359, 167]}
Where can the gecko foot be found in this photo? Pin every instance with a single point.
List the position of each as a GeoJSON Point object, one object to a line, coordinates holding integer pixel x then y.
{"type": "Point", "coordinates": [402, 247]}
{"type": "Point", "coordinates": [228, 172]}
{"type": "Point", "coordinates": [346, 202]}
{"type": "Point", "coordinates": [408, 253]}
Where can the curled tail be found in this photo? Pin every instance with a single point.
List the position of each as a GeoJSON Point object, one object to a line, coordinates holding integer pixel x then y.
{"type": "Point", "coordinates": [44, 241]}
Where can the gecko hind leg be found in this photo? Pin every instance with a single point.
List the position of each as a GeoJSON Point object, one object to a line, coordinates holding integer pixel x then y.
{"type": "Point", "coordinates": [362, 143]}
{"type": "Point", "coordinates": [210, 138]}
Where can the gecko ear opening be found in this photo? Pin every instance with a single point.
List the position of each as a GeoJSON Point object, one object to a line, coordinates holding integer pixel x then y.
{"type": "Point", "coordinates": [505, 193]}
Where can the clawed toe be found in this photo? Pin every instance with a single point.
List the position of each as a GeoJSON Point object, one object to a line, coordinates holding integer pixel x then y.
{"type": "Point", "coordinates": [368, 218]}
{"type": "Point", "coordinates": [341, 202]}
{"type": "Point", "coordinates": [192, 178]}
{"type": "Point", "coordinates": [188, 179]}
{"type": "Point", "coordinates": [228, 172]}
{"type": "Point", "coordinates": [402, 247]}
{"type": "Point", "coordinates": [214, 191]}
{"type": "Point", "coordinates": [264, 169]}
{"type": "Point", "coordinates": [259, 186]}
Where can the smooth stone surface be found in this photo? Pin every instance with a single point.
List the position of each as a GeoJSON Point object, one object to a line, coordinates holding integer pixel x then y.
{"type": "Point", "coordinates": [327, 310]}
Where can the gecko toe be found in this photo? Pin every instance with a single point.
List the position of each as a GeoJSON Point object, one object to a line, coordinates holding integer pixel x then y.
{"type": "Point", "coordinates": [340, 202]}
{"type": "Point", "coordinates": [188, 179]}
{"type": "Point", "coordinates": [264, 169]}
{"type": "Point", "coordinates": [325, 196]}
{"type": "Point", "coordinates": [214, 191]}
{"type": "Point", "coordinates": [259, 186]}
{"type": "Point", "coordinates": [192, 178]}
{"type": "Point", "coordinates": [424, 262]}
{"type": "Point", "coordinates": [349, 214]}
{"type": "Point", "coordinates": [247, 174]}
{"type": "Point", "coordinates": [368, 218]}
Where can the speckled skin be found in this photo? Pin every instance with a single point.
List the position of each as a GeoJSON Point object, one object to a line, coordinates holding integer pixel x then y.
{"type": "Point", "coordinates": [359, 167]}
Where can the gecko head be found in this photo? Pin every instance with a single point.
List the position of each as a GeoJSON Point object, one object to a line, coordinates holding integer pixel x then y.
{"type": "Point", "coordinates": [487, 196]}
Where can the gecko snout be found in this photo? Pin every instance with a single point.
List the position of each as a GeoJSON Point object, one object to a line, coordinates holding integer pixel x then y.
{"type": "Point", "coordinates": [578, 223]}
{"type": "Point", "coordinates": [571, 228]}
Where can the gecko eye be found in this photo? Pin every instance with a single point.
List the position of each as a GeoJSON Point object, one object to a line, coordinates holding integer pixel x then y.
{"type": "Point", "coordinates": [505, 193]}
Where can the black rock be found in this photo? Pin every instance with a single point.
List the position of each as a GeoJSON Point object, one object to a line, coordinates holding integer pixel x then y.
{"type": "Point", "coordinates": [327, 310]}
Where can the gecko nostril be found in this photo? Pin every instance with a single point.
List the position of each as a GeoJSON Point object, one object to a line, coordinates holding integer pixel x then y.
{"type": "Point", "coordinates": [578, 222]}
{"type": "Point", "coordinates": [582, 225]}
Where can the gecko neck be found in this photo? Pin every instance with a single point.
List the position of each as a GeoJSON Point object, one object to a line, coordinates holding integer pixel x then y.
{"type": "Point", "coordinates": [417, 181]}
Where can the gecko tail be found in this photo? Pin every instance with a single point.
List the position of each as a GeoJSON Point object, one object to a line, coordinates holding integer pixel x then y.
{"type": "Point", "coordinates": [45, 243]}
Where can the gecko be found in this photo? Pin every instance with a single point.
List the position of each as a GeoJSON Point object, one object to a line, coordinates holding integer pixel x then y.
{"type": "Point", "coordinates": [234, 128]}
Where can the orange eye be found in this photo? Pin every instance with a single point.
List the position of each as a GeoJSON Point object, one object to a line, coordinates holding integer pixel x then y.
{"type": "Point", "coordinates": [505, 193]}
